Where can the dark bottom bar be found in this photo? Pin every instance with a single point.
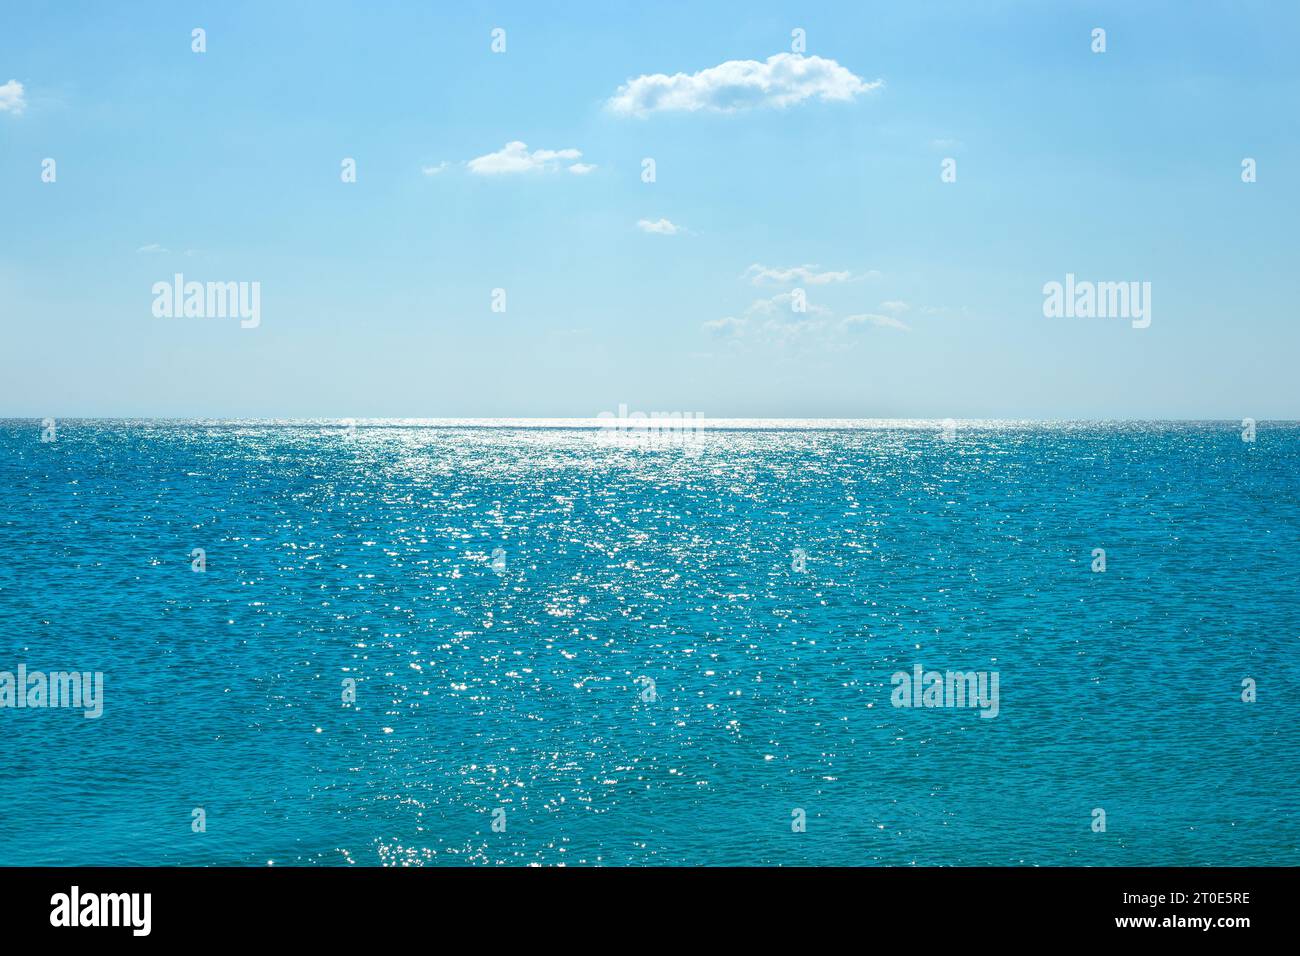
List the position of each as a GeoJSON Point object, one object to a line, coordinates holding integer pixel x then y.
{"type": "Point", "coordinates": [446, 905]}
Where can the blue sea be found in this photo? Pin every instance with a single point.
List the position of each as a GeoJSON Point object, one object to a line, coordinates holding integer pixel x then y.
{"type": "Point", "coordinates": [651, 653]}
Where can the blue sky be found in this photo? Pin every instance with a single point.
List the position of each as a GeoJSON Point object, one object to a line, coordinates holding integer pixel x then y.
{"type": "Point", "coordinates": [924, 297]}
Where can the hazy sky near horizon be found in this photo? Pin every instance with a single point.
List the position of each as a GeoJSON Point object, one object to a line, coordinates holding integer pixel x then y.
{"type": "Point", "coordinates": [774, 171]}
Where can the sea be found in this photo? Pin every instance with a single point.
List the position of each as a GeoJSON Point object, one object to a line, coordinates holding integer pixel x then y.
{"type": "Point", "coordinates": [550, 642]}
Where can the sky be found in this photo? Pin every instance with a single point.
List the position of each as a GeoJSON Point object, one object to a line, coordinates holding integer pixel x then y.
{"type": "Point", "coordinates": [785, 173]}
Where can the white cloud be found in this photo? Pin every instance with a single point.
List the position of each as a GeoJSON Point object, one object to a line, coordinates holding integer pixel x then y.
{"type": "Point", "coordinates": [772, 323]}
{"type": "Point", "coordinates": [581, 169]}
{"type": "Point", "coordinates": [783, 303]}
{"type": "Point", "coordinates": [782, 80]}
{"type": "Point", "coordinates": [805, 275]}
{"type": "Point", "coordinates": [514, 157]}
{"type": "Point", "coordinates": [775, 333]}
{"type": "Point", "coordinates": [152, 247]}
{"type": "Point", "coordinates": [783, 330]}
{"type": "Point", "coordinates": [434, 170]}
{"type": "Point", "coordinates": [879, 321]}
{"type": "Point", "coordinates": [660, 227]}
{"type": "Point", "coordinates": [12, 99]}
{"type": "Point", "coordinates": [729, 326]}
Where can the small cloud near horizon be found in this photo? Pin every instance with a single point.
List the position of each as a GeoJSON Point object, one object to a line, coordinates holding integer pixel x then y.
{"type": "Point", "coordinates": [514, 157]}
{"type": "Point", "coordinates": [660, 227]}
{"type": "Point", "coordinates": [782, 303]}
{"type": "Point", "coordinates": [806, 274]}
{"type": "Point", "coordinates": [879, 321]}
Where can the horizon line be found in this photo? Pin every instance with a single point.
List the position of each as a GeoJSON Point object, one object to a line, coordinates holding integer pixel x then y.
{"type": "Point", "coordinates": [661, 419]}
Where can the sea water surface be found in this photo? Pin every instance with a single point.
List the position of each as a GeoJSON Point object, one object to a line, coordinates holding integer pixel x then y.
{"type": "Point", "coordinates": [499, 595]}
